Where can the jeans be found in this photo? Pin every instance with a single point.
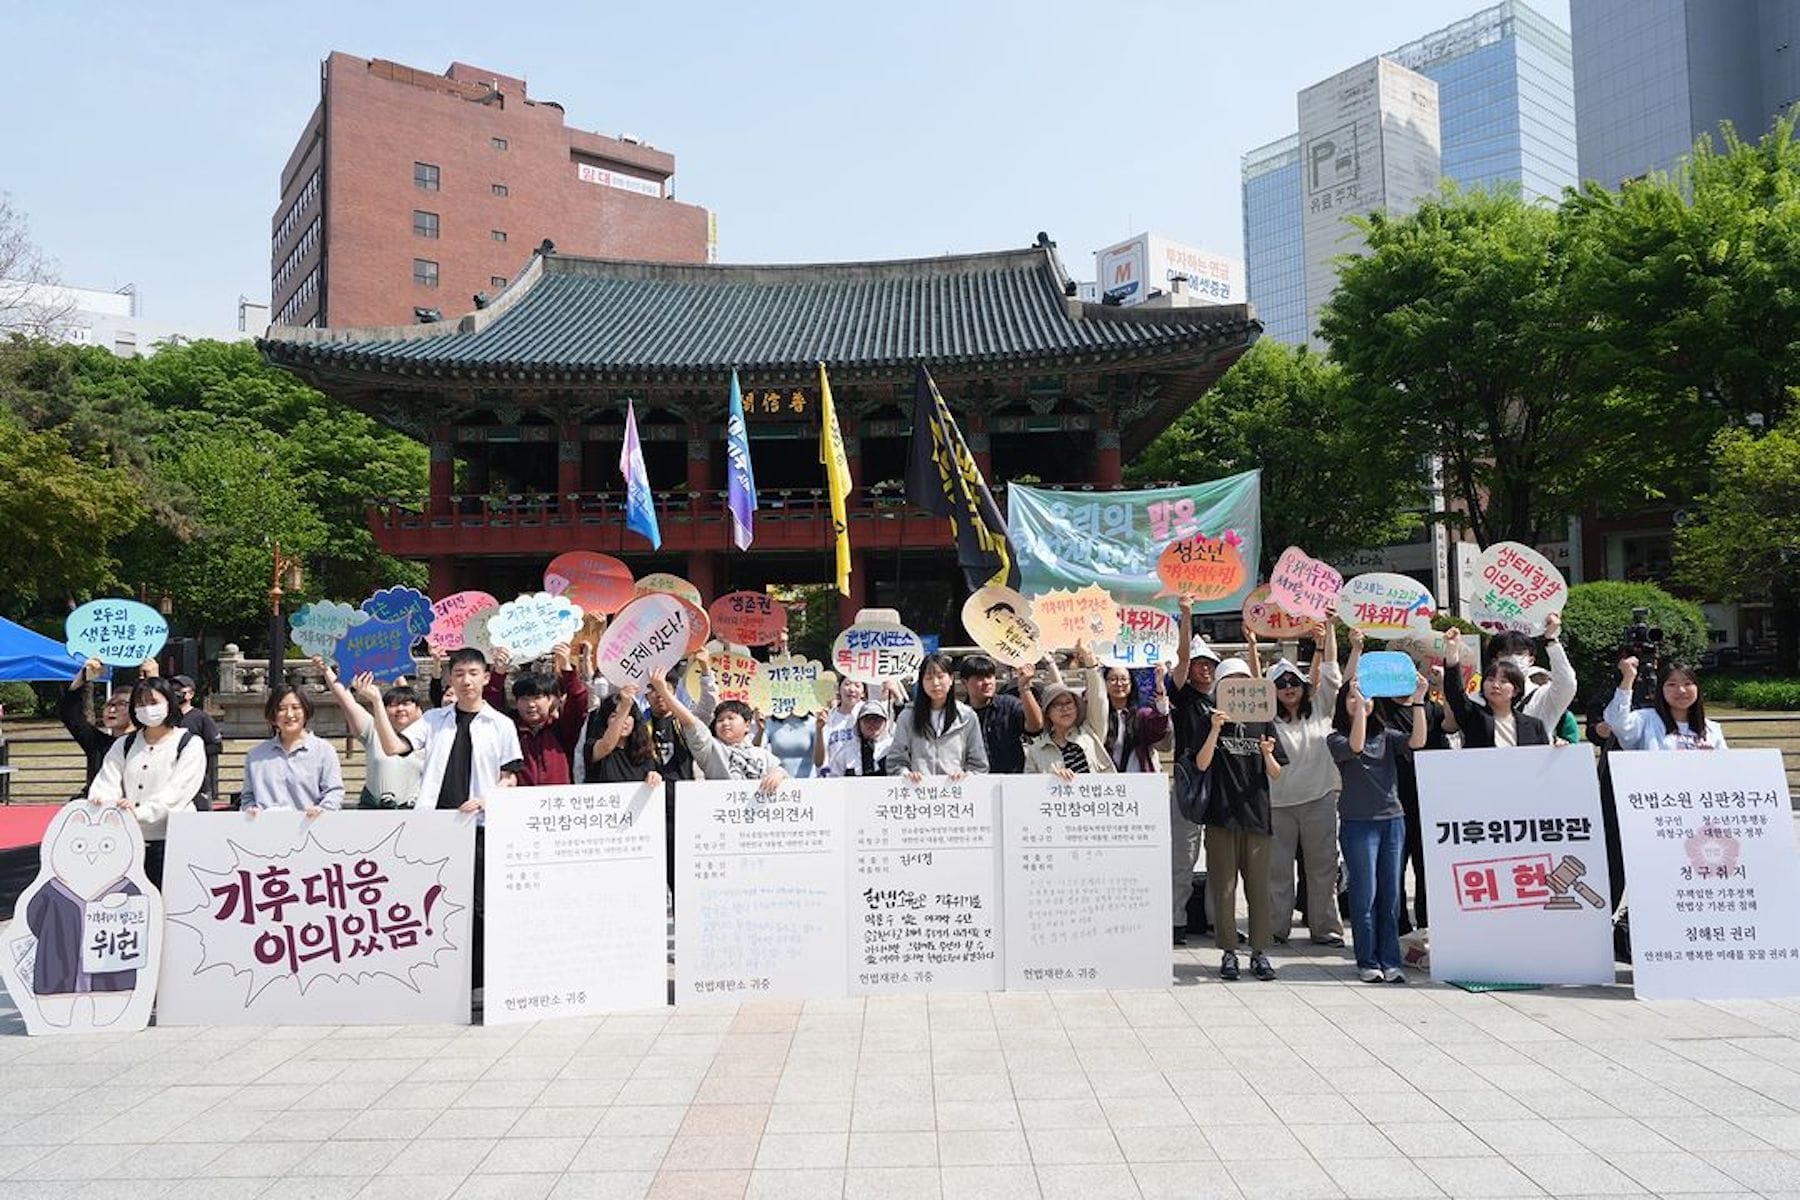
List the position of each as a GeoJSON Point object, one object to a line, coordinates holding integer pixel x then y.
{"type": "Point", "coordinates": [1373, 855]}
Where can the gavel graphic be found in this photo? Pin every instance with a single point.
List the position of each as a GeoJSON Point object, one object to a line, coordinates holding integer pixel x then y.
{"type": "Point", "coordinates": [1566, 878]}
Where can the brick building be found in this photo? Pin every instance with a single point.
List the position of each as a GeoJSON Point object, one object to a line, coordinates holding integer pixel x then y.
{"type": "Point", "coordinates": [409, 190]}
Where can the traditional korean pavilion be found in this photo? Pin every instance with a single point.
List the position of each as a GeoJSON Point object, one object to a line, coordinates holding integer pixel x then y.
{"type": "Point", "coordinates": [522, 403]}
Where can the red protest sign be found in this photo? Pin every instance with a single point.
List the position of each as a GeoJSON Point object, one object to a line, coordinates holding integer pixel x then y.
{"type": "Point", "coordinates": [598, 582]}
{"type": "Point", "coordinates": [748, 618]}
{"type": "Point", "coordinates": [1201, 567]}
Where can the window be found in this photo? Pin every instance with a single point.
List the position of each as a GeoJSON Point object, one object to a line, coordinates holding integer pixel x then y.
{"type": "Point", "coordinates": [425, 224]}
{"type": "Point", "coordinates": [425, 177]}
{"type": "Point", "coordinates": [499, 189]}
{"type": "Point", "coordinates": [497, 143]}
{"type": "Point", "coordinates": [425, 272]}
{"type": "Point", "coordinates": [498, 281]}
{"type": "Point", "coordinates": [499, 235]}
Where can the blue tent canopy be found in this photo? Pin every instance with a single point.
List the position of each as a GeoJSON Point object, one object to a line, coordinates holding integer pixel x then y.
{"type": "Point", "coordinates": [28, 656]}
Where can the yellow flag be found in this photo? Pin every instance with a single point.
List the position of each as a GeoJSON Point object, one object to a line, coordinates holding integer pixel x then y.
{"type": "Point", "coordinates": [837, 476]}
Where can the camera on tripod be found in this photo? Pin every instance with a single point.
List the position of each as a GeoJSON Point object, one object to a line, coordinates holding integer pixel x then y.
{"type": "Point", "coordinates": [1643, 641]}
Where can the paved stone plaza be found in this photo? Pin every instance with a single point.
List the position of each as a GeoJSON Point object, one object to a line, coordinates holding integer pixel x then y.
{"type": "Point", "coordinates": [1313, 1085]}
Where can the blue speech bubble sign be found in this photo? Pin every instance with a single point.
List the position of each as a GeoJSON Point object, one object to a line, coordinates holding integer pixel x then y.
{"type": "Point", "coordinates": [382, 648]}
{"type": "Point", "coordinates": [406, 604]}
{"type": "Point", "coordinates": [1386, 673]}
{"type": "Point", "coordinates": [120, 633]}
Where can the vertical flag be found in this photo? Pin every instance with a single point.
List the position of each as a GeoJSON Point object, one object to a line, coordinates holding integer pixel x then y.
{"type": "Point", "coordinates": [640, 505]}
{"type": "Point", "coordinates": [837, 475]}
{"type": "Point", "coordinates": [737, 462]}
{"type": "Point", "coordinates": [942, 479]}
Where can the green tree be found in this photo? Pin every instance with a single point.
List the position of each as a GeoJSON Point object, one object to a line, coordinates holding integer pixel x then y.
{"type": "Point", "coordinates": [1595, 619]}
{"type": "Point", "coordinates": [1745, 542]}
{"type": "Point", "coordinates": [1331, 482]}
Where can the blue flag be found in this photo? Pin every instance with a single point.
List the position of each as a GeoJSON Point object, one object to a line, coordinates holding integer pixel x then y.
{"type": "Point", "coordinates": [640, 505]}
{"type": "Point", "coordinates": [743, 478]}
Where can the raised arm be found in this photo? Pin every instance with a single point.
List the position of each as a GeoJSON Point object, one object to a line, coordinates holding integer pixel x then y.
{"type": "Point", "coordinates": [1184, 644]}
{"type": "Point", "coordinates": [393, 743]}
{"type": "Point", "coordinates": [1203, 758]}
{"type": "Point", "coordinates": [1559, 693]}
{"type": "Point", "coordinates": [1034, 713]}
{"type": "Point", "coordinates": [354, 716]}
{"type": "Point", "coordinates": [1252, 655]}
{"type": "Point", "coordinates": [1627, 723]}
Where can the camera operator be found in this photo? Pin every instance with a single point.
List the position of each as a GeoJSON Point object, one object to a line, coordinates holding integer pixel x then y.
{"type": "Point", "coordinates": [1675, 720]}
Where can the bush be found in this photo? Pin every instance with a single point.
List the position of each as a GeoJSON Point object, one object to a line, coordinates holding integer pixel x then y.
{"type": "Point", "coordinates": [18, 699]}
{"type": "Point", "coordinates": [1778, 695]}
{"type": "Point", "coordinates": [1597, 613]}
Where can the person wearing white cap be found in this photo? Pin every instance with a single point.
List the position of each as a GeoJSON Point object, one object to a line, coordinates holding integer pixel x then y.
{"type": "Point", "coordinates": [1070, 744]}
{"type": "Point", "coordinates": [1190, 703]}
{"type": "Point", "coordinates": [867, 750]}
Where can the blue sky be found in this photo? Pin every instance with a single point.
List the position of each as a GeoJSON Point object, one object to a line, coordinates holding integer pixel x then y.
{"type": "Point", "coordinates": [145, 141]}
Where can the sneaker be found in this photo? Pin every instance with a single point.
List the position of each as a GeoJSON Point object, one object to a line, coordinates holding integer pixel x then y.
{"type": "Point", "coordinates": [1392, 975]}
{"type": "Point", "coordinates": [1330, 939]}
{"type": "Point", "coordinates": [1181, 935]}
{"type": "Point", "coordinates": [1369, 975]}
{"type": "Point", "coordinates": [1281, 939]}
{"type": "Point", "coordinates": [1228, 965]}
{"type": "Point", "coordinates": [1259, 966]}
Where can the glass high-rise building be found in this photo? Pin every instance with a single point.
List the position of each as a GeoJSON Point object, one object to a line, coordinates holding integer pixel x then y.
{"type": "Point", "coordinates": [1506, 112]}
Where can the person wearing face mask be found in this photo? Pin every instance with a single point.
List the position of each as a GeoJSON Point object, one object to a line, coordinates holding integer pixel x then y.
{"type": "Point", "coordinates": [1190, 703]}
{"type": "Point", "coordinates": [156, 769]}
{"type": "Point", "coordinates": [1498, 722]}
{"type": "Point", "coordinates": [296, 768]}
{"type": "Point", "coordinates": [115, 714]}
{"type": "Point", "coordinates": [1677, 721]}
{"type": "Point", "coordinates": [1548, 693]}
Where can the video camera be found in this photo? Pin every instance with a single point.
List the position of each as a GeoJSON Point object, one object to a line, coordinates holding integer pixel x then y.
{"type": "Point", "coordinates": [1644, 641]}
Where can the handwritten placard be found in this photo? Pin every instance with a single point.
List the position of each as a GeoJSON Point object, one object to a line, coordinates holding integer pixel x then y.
{"type": "Point", "coordinates": [598, 582]}
{"type": "Point", "coordinates": [1386, 673]}
{"type": "Point", "coordinates": [318, 627]}
{"type": "Point", "coordinates": [1267, 619]}
{"type": "Point", "coordinates": [1516, 588]}
{"type": "Point", "coordinates": [1146, 637]}
{"type": "Point", "coordinates": [120, 633]}
{"type": "Point", "coordinates": [382, 648]}
{"type": "Point", "coordinates": [675, 585]}
{"type": "Point", "coordinates": [405, 605]}
{"type": "Point", "coordinates": [475, 631]}
{"type": "Point", "coordinates": [748, 618]}
{"type": "Point", "coordinates": [1087, 615]}
{"type": "Point", "coordinates": [1425, 649]}
{"type": "Point", "coordinates": [1247, 699]}
{"type": "Point", "coordinates": [735, 677]}
{"type": "Point", "coordinates": [533, 624]}
{"type": "Point", "coordinates": [1303, 586]}
{"type": "Point", "coordinates": [1205, 568]}
{"type": "Point", "coordinates": [1385, 605]}
{"type": "Point", "coordinates": [797, 685]}
{"type": "Point", "coordinates": [450, 617]}
{"type": "Point", "coordinates": [647, 637]}
{"type": "Point", "coordinates": [876, 652]}
{"type": "Point", "coordinates": [998, 619]}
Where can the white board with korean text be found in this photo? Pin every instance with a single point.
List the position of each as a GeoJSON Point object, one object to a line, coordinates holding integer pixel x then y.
{"type": "Point", "coordinates": [352, 918]}
{"type": "Point", "coordinates": [1085, 874]}
{"type": "Point", "coordinates": [759, 891]}
{"type": "Point", "coordinates": [924, 885]}
{"type": "Point", "coordinates": [576, 919]}
{"type": "Point", "coordinates": [1516, 865]}
{"type": "Point", "coordinates": [1711, 872]}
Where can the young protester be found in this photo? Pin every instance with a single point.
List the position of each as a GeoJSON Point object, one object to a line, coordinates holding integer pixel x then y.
{"type": "Point", "coordinates": [725, 751]}
{"type": "Point", "coordinates": [1005, 721]}
{"type": "Point", "coordinates": [1070, 744]}
{"type": "Point", "coordinates": [196, 720]}
{"type": "Point", "coordinates": [1190, 702]}
{"type": "Point", "coordinates": [1438, 726]}
{"type": "Point", "coordinates": [840, 722]}
{"type": "Point", "coordinates": [1239, 761]}
{"type": "Point", "coordinates": [1134, 731]}
{"type": "Point", "coordinates": [622, 750]}
{"type": "Point", "coordinates": [1499, 722]}
{"type": "Point", "coordinates": [1677, 721]}
{"type": "Point", "coordinates": [389, 781]}
{"type": "Point", "coordinates": [296, 768]}
{"type": "Point", "coordinates": [551, 713]}
{"type": "Point", "coordinates": [871, 738]}
{"type": "Point", "coordinates": [156, 769]}
{"type": "Point", "coordinates": [1303, 798]}
{"type": "Point", "coordinates": [1372, 827]}
{"type": "Point", "coordinates": [1548, 693]}
{"type": "Point", "coordinates": [115, 714]}
{"type": "Point", "coordinates": [938, 736]}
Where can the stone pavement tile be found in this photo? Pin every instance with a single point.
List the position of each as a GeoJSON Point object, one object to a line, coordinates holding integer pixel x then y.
{"type": "Point", "coordinates": [388, 1124]}
{"type": "Point", "coordinates": [828, 1116]}
{"type": "Point", "coordinates": [670, 1091]}
{"type": "Point", "coordinates": [725, 1118]}
{"type": "Point", "coordinates": [1434, 1139]}
{"type": "Point", "coordinates": [1564, 1102]}
{"type": "Point", "coordinates": [1489, 1105]}
{"type": "Point", "coordinates": [520, 1156]}
{"type": "Point", "coordinates": [266, 1158]}
{"type": "Point", "coordinates": [893, 1116]}
{"type": "Point", "coordinates": [1207, 1180]}
{"type": "Point", "coordinates": [1520, 1139]}
{"type": "Point", "coordinates": [980, 1114]}
{"type": "Point", "coordinates": [12, 1158]}
{"type": "Point", "coordinates": [893, 1149]}
{"type": "Point", "coordinates": [1673, 1174]}
{"type": "Point", "coordinates": [1701, 1135]}
{"type": "Point", "coordinates": [982, 1147]}
{"type": "Point", "coordinates": [481, 1122]}
{"type": "Point", "coordinates": [504, 1187]}
{"type": "Point", "coordinates": [711, 1152]}
{"type": "Point", "coordinates": [1783, 1133]}
{"type": "Point", "coordinates": [1141, 1112]}
{"type": "Point", "coordinates": [1477, 1177]}
{"type": "Point", "coordinates": [1087, 1182]}
{"type": "Point", "coordinates": [1606, 1135]}
{"type": "Point", "coordinates": [1061, 1085]}
{"type": "Point", "coordinates": [318, 1187]}
{"type": "Point", "coordinates": [892, 1062]}
{"type": "Point", "coordinates": [1176, 1143]}
{"type": "Point", "coordinates": [320, 1125]}
{"type": "Point", "coordinates": [1377, 1179]}
{"type": "Point", "coordinates": [1229, 1110]}
{"type": "Point", "coordinates": [989, 1183]}
{"type": "Point", "coordinates": [443, 1157]}
{"type": "Point", "coordinates": [245, 1188]}
{"type": "Point", "coordinates": [410, 1187]}
{"type": "Point", "coordinates": [1312, 1109]}
{"type": "Point", "coordinates": [984, 1037]}
{"type": "Point", "coordinates": [1575, 1174]}
{"type": "Point", "coordinates": [601, 1185]}
{"type": "Point", "coordinates": [578, 1093]}
{"type": "Point", "coordinates": [1252, 1142]}
{"type": "Point", "coordinates": [499, 1093]}
{"type": "Point", "coordinates": [796, 1087]}
{"type": "Point", "coordinates": [342, 1158]}
{"type": "Point", "coordinates": [795, 1151]}
{"type": "Point", "coordinates": [974, 1087]}
{"type": "Point", "coordinates": [1344, 1139]}
{"type": "Point", "coordinates": [638, 1119]}
{"type": "Point", "coordinates": [1071, 1147]}
{"type": "Point", "coordinates": [1396, 1107]}
{"type": "Point", "coordinates": [180, 1160]}
{"type": "Point", "coordinates": [891, 1183]}
{"type": "Point", "coordinates": [543, 1121]}
{"type": "Point", "coordinates": [1282, 1178]}
{"type": "Point", "coordinates": [1084, 1113]}
{"type": "Point", "coordinates": [1758, 1170]}
{"type": "Point", "coordinates": [795, 1185]}
{"type": "Point", "coordinates": [893, 1087]}
{"type": "Point", "coordinates": [966, 1062]}
{"type": "Point", "coordinates": [619, 1152]}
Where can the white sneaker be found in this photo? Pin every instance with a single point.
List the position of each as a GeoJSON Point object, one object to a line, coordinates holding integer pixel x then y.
{"type": "Point", "coordinates": [1392, 975]}
{"type": "Point", "coordinates": [1370, 975]}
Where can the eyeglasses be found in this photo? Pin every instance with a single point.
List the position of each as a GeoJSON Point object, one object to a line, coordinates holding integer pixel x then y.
{"type": "Point", "coordinates": [1288, 684]}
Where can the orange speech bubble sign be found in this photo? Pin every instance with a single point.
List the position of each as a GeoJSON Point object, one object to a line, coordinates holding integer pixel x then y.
{"type": "Point", "coordinates": [1200, 567]}
{"type": "Point", "coordinates": [598, 582]}
{"type": "Point", "coordinates": [748, 618]}
{"type": "Point", "coordinates": [1267, 619]}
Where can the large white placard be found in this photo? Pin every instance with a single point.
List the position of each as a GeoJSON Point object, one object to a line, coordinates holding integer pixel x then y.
{"type": "Point", "coordinates": [924, 885]}
{"type": "Point", "coordinates": [1086, 881]}
{"type": "Point", "coordinates": [1516, 865]}
{"type": "Point", "coordinates": [1711, 872]}
{"type": "Point", "coordinates": [576, 918]}
{"type": "Point", "coordinates": [352, 918]}
{"type": "Point", "coordinates": [759, 891]}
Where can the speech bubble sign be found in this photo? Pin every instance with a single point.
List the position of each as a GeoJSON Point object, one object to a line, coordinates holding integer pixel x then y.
{"type": "Point", "coordinates": [598, 582]}
{"type": "Point", "coordinates": [748, 618]}
{"type": "Point", "coordinates": [675, 585]}
{"type": "Point", "coordinates": [404, 604]}
{"type": "Point", "coordinates": [999, 620]}
{"type": "Point", "coordinates": [382, 648]}
{"type": "Point", "coordinates": [1088, 615]}
{"type": "Point", "coordinates": [890, 616]}
{"type": "Point", "coordinates": [533, 624]}
{"type": "Point", "coordinates": [1516, 589]}
{"type": "Point", "coordinates": [1386, 673]}
{"type": "Point", "coordinates": [877, 652]}
{"type": "Point", "coordinates": [475, 631]}
{"type": "Point", "coordinates": [1425, 649]}
{"type": "Point", "coordinates": [794, 685]}
{"type": "Point", "coordinates": [1204, 568]}
{"type": "Point", "coordinates": [1245, 698]}
{"type": "Point", "coordinates": [1386, 605]}
{"type": "Point", "coordinates": [735, 677]}
{"type": "Point", "coordinates": [450, 617]}
{"type": "Point", "coordinates": [120, 633]}
{"type": "Point", "coordinates": [1304, 586]}
{"type": "Point", "coordinates": [318, 627]}
{"type": "Point", "coordinates": [647, 637]}
{"type": "Point", "coordinates": [1146, 637]}
{"type": "Point", "coordinates": [1267, 619]}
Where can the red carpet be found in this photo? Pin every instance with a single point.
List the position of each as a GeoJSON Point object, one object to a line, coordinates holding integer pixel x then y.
{"type": "Point", "coordinates": [24, 824]}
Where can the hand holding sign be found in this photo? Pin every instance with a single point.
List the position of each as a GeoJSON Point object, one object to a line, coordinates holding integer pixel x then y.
{"type": "Point", "coordinates": [1201, 568]}
{"type": "Point", "coordinates": [450, 616]}
{"type": "Point", "coordinates": [1265, 618]}
{"type": "Point", "coordinates": [407, 605]}
{"type": "Point", "coordinates": [379, 648]}
{"type": "Point", "coordinates": [646, 639]}
{"type": "Point", "coordinates": [120, 633]}
{"type": "Point", "coordinates": [1303, 586]}
{"type": "Point", "coordinates": [876, 652]}
{"type": "Point", "coordinates": [1386, 605]}
{"type": "Point", "coordinates": [534, 624]}
{"type": "Point", "coordinates": [1087, 615]}
{"type": "Point", "coordinates": [1386, 673]}
{"type": "Point", "coordinates": [748, 618]}
{"type": "Point", "coordinates": [999, 621]}
{"type": "Point", "coordinates": [1246, 698]}
{"type": "Point", "coordinates": [1146, 638]}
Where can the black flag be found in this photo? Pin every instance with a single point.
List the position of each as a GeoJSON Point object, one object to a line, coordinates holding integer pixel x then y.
{"type": "Point", "coordinates": [942, 479]}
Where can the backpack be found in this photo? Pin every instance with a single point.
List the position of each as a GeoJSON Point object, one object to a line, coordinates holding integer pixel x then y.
{"type": "Point", "coordinates": [202, 801]}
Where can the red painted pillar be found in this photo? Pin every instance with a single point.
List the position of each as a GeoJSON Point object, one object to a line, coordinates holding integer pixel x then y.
{"type": "Point", "coordinates": [702, 574]}
{"type": "Point", "coordinates": [443, 575]}
{"type": "Point", "coordinates": [1109, 469]}
{"type": "Point", "coordinates": [442, 479]}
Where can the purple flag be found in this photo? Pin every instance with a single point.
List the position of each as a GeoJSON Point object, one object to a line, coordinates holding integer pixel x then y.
{"type": "Point", "coordinates": [640, 505]}
{"type": "Point", "coordinates": [737, 462]}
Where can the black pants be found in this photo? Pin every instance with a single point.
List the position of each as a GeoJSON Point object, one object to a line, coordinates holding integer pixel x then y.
{"type": "Point", "coordinates": [155, 852]}
{"type": "Point", "coordinates": [1415, 858]}
{"type": "Point", "coordinates": [478, 921]}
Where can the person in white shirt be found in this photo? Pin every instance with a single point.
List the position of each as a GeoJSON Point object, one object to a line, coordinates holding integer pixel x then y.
{"type": "Point", "coordinates": [155, 770]}
{"type": "Point", "coordinates": [389, 781]}
{"type": "Point", "coordinates": [865, 754]}
{"type": "Point", "coordinates": [840, 723]}
{"type": "Point", "coordinates": [1677, 721]}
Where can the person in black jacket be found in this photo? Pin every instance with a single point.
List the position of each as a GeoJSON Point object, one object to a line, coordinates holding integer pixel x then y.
{"type": "Point", "coordinates": [115, 716]}
{"type": "Point", "coordinates": [1500, 723]}
{"type": "Point", "coordinates": [196, 720]}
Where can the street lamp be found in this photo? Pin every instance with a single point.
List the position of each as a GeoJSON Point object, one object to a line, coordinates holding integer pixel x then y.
{"type": "Point", "coordinates": [284, 570]}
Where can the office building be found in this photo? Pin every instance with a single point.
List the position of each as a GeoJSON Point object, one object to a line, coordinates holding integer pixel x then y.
{"type": "Point", "coordinates": [1653, 76]}
{"type": "Point", "coordinates": [1506, 118]}
{"type": "Point", "coordinates": [112, 320]}
{"type": "Point", "coordinates": [409, 192]}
